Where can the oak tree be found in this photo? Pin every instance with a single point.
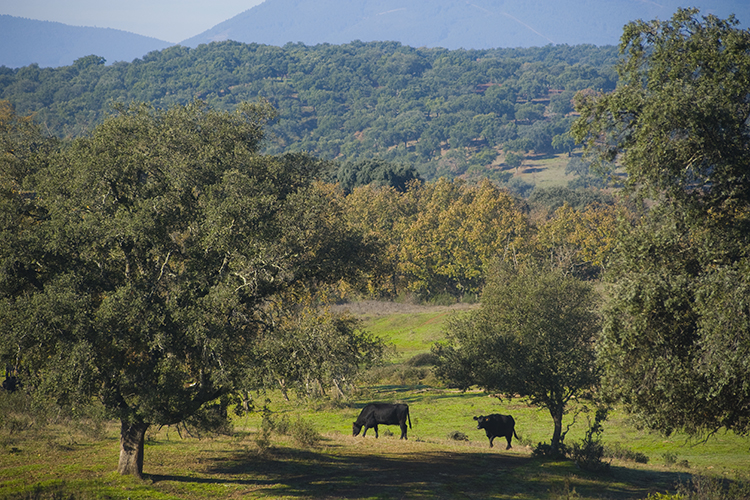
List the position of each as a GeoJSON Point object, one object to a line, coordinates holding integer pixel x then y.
{"type": "Point", "coordinates": [676, 341]}
{"type": "Point", "coordinates": [163, 239]}
{"type": "Point", "coordinates": [532, 337]}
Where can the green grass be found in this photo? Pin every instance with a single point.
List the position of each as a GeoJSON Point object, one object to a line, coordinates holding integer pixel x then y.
{"type": "Point", "coordinates": [63, 462]}
{"type": "Point", "coordinates": [412, 334]}
{"type": "Point", "coordinates": [546, 171]}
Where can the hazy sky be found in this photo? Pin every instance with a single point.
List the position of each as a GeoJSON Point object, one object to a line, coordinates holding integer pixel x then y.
{"type": "Point", "coordinates": [169, 20]}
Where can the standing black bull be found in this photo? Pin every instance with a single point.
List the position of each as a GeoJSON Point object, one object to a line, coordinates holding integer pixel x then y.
{"type": "Point", "coordinates": [375, 414]}
{"type": "Point", "coordinates": [497, 425]}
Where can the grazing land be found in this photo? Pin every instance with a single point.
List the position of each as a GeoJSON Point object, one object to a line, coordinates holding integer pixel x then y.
{"type": "Point", "coordinates": [308, 452]}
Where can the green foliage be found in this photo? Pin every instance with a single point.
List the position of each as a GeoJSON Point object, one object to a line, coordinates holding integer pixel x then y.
{"type": "Point", "coordinates": [313, 351]}
{"type": "Point", "coordinates": [377, 172]}
{"type": "Point", "coordinates": [166, 238]}
{"type": "Point", "coordinates": [589, 452]}
{"type": "Point", "coordinates": [702, 487]}
{"type": "Point", "coordinates": [553, 198]}
{"type": "Point", "coordinates": [348, 102]}
{"type": "Point", "coordinates": [678, 118]}
{"type": "Point", "coordinates": [514, 159]}
{"type": "Point", "coordinates": [305, 434]}
{"type": "Point", "coordinates": [675, 328]}
{"type": "Point", "coordinates": [533, 337]}
{"type": "Point", "coordinates": [676, 343]}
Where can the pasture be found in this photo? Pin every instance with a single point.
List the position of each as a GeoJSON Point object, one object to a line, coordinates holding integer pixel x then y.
{"type": "Point", "coordinates": [304, 448]}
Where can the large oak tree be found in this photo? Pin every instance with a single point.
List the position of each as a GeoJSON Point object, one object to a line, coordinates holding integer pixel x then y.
{"type": "Point", "coordinates": [676, 337]}
{"type": "Point", "coordinates": [153, 259]}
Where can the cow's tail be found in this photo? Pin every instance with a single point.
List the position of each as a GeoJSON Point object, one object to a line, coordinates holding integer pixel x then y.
{"type": "Point", "coordinates": [514, 433]}
{"type": "Point", "coordinates": [408, 417]}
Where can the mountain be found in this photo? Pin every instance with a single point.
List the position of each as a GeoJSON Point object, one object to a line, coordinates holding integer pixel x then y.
{"type": "Point", "coordinates": [452, 24]}
{"type": "Point", "coordinates": [49, 44]}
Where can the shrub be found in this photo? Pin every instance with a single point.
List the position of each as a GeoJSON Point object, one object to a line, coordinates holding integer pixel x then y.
{"type": "Point", "coordinates": [712, 488]}
{"type": "Point", "coordinates": [304, 433]}
{"type": "Point", "coordinates": [283, 426]}
{"type": "Point", "coordinates": [263, 438]}
{"type": "Point", "coordinates": [622, 453]}
{"type": "Point", "coordinates": [669, 458]}
{"type": "Point", "coordinates": [544, 450]}
{"type": "Point", "coordinates": [458, 436]}
{"type": "Point", "coordinates": [424, 359]}
{"type": "Point", "coordinates": [588, 454]}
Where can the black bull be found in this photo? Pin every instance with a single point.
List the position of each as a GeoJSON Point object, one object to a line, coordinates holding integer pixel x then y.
{"type": "Point", "coordinates": [497, 425]}
{"type": "Point", "coordinates": [375, 414]}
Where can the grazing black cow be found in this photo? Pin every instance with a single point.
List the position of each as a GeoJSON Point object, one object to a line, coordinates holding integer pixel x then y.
{"type": "Point", "coordinates": [375, 414]}
{"type": "Point", "coordinates": [497, 425]}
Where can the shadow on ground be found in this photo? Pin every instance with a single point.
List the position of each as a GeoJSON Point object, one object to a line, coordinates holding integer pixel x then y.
{"type": "Point", "coordinates": [422, 474]}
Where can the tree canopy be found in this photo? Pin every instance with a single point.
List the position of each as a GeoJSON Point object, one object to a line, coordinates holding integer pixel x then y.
{"type": "Point", "coordinates": [533, 337]}
{"type": "Point", "coordinates": [675, 343]}
{"type": "Point", "coordinates": [155, 252]}
{"type": "Point", "coordinates": [349, 102]}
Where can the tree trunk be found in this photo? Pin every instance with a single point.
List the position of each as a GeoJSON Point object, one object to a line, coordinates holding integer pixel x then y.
{"type": "Point", "coordinates": [131, 448]}
{"type": "Point", "coordinates": [557, 418]}
{"type": "Point", "coordinates": [246, 400]}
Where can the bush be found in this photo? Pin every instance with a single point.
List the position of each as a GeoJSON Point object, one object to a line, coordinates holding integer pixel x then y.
{"type": "Point", "coordinates": [424, 359]}
{"type": "Point", "coordinates": [713, 488]}
{"type": "Point", "coordinates": [305, 434]}
{"type": "Point", "coordinates": [622, 453]}
{"type": "Point", "coordinates": [458, 436]}
{"type": "Point", "coordinates": [263, 439]}
{"type": "Point", "coordinates": [544, 450]}
{"type": "Point", "coordinates": [588, 454]}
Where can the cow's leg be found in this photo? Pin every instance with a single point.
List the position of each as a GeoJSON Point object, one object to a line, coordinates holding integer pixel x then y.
{"type": "Point", "coordinates": [365, 433]}
{"type": "Point", "coordinates": [508, 438]}
{"type": "Point", "coordinates": [403, 430]}
{"type": "Point", "coordinates": [376, 430]}
{"type": "Point", "coordinates": [491, 439]}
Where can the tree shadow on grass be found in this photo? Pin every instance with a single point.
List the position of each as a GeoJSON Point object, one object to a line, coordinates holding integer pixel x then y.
{"type": "Point", "coordinates": [309, 473]}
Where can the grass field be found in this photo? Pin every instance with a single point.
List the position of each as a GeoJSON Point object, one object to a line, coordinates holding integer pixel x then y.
{"type": "Point", "coordinates": [545, 171]}
{"type": "Point", "coordinates": [316, 456]}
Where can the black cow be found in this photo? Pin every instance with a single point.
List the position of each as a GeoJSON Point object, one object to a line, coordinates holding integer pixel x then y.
{"type": "Point", "coordinates": [497, 425]}
{"type": "Point", "coordinates": [375, 414]}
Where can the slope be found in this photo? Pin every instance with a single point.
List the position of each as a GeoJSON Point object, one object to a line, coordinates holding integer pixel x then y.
{"type": "Point", "coordinates": [49, 44]}
{"type": "Point", "coordinates": [476, 24]}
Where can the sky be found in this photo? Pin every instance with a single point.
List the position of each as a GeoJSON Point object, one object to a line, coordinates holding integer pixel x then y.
{"type": "Point", "coordinates": [168, 20]}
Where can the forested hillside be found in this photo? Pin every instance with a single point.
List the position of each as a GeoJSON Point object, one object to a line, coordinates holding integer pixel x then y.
{"type": "Point", "coordinates": [446, 112]}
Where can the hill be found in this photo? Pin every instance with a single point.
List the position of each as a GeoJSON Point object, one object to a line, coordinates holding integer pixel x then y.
{"type": "Point", "coordinates": [480, 24]}
{"type": "Point", "coordinates": [447, 113]}
{"type": "Point", "coordinates": [48, 44]}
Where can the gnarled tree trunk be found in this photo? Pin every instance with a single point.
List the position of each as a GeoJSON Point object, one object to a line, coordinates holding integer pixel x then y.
{"type": "Point", "coordinates": [557, 418]}
{"type": "Point", "coordinates": [131, 448]}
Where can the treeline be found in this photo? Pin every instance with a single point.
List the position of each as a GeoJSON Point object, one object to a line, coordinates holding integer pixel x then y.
{"type": "Point", "coordinates": [448, 113]}
{"type": "Point", "coordinates": [438, 239]}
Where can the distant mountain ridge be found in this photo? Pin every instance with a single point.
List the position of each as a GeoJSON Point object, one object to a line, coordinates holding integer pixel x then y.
{"type": "Point", "coordinates": [452, 24]}
{"type": "Point", "coordinates": [468, 24]}
{"type": "Point", "coordinates": [50, 44]}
